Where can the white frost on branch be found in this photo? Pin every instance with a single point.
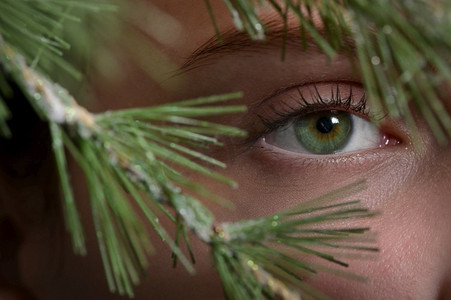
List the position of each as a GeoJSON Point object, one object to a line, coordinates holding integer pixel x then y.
{"type": "Point", "coordinates": [54, 101]}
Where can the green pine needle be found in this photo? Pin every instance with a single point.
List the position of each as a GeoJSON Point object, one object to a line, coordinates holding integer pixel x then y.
{"type": "Point", "coordinates": [36, 28]}
{"type": "Point", "coordinates": [72, 218]}
{"type": "Point", "coordinates": [278, 247]}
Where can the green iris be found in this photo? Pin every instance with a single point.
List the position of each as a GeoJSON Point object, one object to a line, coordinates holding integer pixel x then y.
{"type": "Point", "coordinates": [324, 132]}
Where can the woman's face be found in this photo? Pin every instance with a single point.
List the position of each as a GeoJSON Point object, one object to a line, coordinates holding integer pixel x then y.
{"type": "Point", "coordinates": [276, 167]}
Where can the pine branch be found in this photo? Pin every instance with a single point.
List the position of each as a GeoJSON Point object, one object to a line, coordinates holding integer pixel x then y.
{"type": "Point", "coordinates": [125, 153]}
{"type": "Point", "coordinates": [275, 253]}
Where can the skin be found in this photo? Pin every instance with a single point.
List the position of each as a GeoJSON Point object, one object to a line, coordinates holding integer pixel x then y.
{"type": "Point", "coordinates": [409, 184]}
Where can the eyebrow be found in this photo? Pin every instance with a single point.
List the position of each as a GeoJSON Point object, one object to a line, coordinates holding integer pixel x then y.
{"type": "Point", "coordinates": [276, 36]}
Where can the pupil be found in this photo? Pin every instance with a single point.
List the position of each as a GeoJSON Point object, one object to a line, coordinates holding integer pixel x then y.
{"type": "Point", "coordinates": [324, 125]}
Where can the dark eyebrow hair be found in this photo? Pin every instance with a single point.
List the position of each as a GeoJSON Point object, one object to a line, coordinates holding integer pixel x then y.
{"type": "Point", "coordinates": [234, 41]}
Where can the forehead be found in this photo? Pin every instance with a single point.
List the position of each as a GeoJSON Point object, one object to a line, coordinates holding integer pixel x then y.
{"type": "Point", "coordinates": [195, 25]}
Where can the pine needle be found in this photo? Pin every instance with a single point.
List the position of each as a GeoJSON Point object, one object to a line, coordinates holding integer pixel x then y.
{"type": "Point", "coordinates": [281, 246]}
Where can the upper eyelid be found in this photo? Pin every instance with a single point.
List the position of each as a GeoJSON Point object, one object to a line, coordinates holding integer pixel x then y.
{"type": "Point", "coordinates": [285, 89]}
{"type": "Point", "coordinates": [305, 106]}
{"type": "Point", "coordinates": [337, 100]}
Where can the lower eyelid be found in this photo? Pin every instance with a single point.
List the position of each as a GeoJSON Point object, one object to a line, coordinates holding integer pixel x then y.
{"type": "Point", "coordinates": [287, 161]}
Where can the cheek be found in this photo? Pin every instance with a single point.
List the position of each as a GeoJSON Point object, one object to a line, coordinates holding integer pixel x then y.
{"type": "Point", "coordinates": [413, 230]}
{"type": "Point", "coordinates": [414, 241]}
{"type": "Point", "coordinates": [269, 183]}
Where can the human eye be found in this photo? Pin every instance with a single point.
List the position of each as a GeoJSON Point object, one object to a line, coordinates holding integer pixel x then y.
{"type": "Point", "coordinates": [323, 119]}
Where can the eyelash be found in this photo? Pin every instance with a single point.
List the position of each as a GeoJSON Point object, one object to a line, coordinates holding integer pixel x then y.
{"type": "Point", "coordinates": [316, 104]}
